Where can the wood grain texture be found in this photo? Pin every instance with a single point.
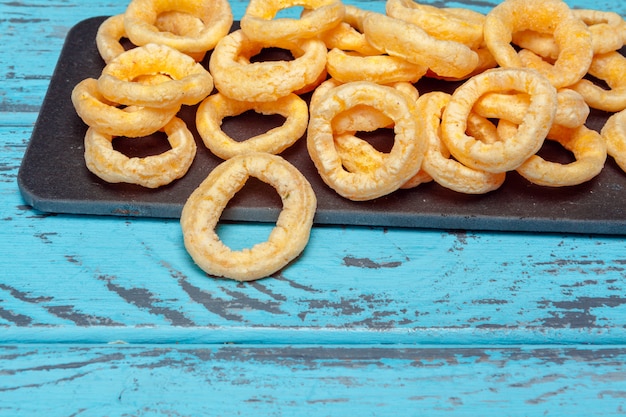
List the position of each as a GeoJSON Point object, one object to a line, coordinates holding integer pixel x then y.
{"type": "Point", "coordinates": [367, 321]}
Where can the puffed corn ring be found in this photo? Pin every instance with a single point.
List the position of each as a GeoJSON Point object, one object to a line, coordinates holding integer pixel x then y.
{"type": "Point", "coordinates": [190, 82]}
{"type": "Point", "coordinates": [348, 34]}
{"type": "Point", "coordinates": [103, 115]}
{"type": "Point", "coordinates": [108, 37]}
{"type": "Point", "coordinates": [408, 41]}
{"type": "Point", "coordinates": [140, 22]}
{"type": "Point", "coordinates": [236, 77]}
{"type": "Point", "coordinates": [611, 68]}
{"type": "Point", "coordinates": [216, 107]}
{"type": "Point", "coordinates": [401, 163]}
{"type": "Point", "coordinates": [347, 66]}
{"type": "Point", "coordinates": [503, 155]}
{"type": "Point", "coordinates": [260, 24]}
{"type": "Point", "coordinates": [589, 151]}
{"type": "Point", "coordinates": [571, 111]}
{"type": "Point", "coordinates": [152, 171]}
{"type": "Point", "coordinates": [442, 23]}
{"type": "Point", "coordinates": [204, 207]}
{"type": "Point", "coordinates": [547, 16]}
{"type": "Point", "coordinates": [614, 134]}
{"type": "Point", "coordinates": [444, 170]}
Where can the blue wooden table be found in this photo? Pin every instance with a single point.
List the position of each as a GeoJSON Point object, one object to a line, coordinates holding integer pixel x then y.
{"type": "Point", "coordinates": [108, 316]}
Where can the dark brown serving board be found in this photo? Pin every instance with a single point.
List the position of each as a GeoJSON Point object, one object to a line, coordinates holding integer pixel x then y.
{"type": "Point", "coordinates": [53, 176]}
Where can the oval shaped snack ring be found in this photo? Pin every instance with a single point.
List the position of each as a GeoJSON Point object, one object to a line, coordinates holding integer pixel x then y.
{"type": "Point", "coordinates": [588, 148]}
{"type": "Point", "coordinates": [152, 171]}
{"type": "Point", "coordinates": [547, 16]}
{"type": "Point", "coordinates": [97, 112]}
{"type": "Point", "coordinates": [260, 24]}
{"type": "Point", "coordinates": [611, 68]}
{"type": "Point", "coordinates": [348, 34]}
{"type": "Point", "coordinates": [236, 77]}
{"type": "Point", "coordinates": [190, 82]}
{"type": "Point", "coordinates": [509, 153]}
{"type": "Point", "coordinates": [614, 134]}
{"type": "Point", "coordinates": [216, 107]}
{"type": "Point", "coordinates": [108, 37]}
{"type": "Point", "coordinates": [444, 170]}
{"type": "Point", "coordinates": [140, 22]}
{"type": "Point", "coordinates": [408, 41]}
{"type": "Point", "coordinates": [204, 207]}
{"type": "Point", "coordinates": [401, 163]}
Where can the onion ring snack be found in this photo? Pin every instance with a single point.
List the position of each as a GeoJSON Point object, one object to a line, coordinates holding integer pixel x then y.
{"type": "Point", "coordinates": [401, 163]}
{"type": "Point", "coordinates": [204, 207]}
{"type": "Point", "coordinates": [108, 37]}
{"type": "Point", "coordinates": [444, 170]}
{"type": "Point", "coordinates": [611, 68]}
{"type": "Point", "coordinates": [189, 85]}
{"type": "Point", "coordinates": [408, 41]}
{"type": "Point", "coordinates": [236, 77]}
{"type": "Point", "coordinates": [140, 22]}
{"type": "Point", "coordinates": [348, 34]}
{"type": "Point", "coordinates": [152, 171]}
{"type": "Point", "coordinates": [216, 107]}
{"type": "Point", "coordinates": [260, 24]}
{"type": "Point", "coordinates": [614, 134]}
{"type": "Point", "coordinates": [588, 148]}
{"type": "Point", "coordinates": [107, 118]}
{"type": "Point", "coordinates": [506, 154]}
{"type": "Point", "coordinates": [571, 35]}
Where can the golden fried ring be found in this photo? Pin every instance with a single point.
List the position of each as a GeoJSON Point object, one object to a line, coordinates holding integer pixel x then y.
{"type": "Point", "coordinates": [260, 24]}
{"type": "Point", "coordinates": [401, 163]}
{"type": "Point", "coordinates": [503, 155]}
{"type": "Point", "coordinates": [103, 115]}
{"type": "Point", "coordinates": [108, 37]}
{"type": "Point", "coordinates": [152, 171]}
{"type": "Point", "coordinates": [348, 66]}
{"type": "Point", "coordinates": [236, 77]}
{"type": "Point", "coordinates": [408, 41]}
{"type": "Point", "coordinates": [611, 68]}
{"type": "Point", "coordinates": [548, 16]}
{"type": "Point", "coordinates": [588, 148]}
{"type": "Point", "coordinates": [216, 107]}
{"type": "Point", "coordinates": [348, 35]}
{"type": "Point", "coordinates": [444, 170]}
{"type": "Point", "coordinates": [614, 134]}
{"type": "Point", "coordinates": [140, 22]}
{"type": "Point", "coordinates": [440, 23]}
{"type": "Point", "coordinates": [572, 110]}
{"type": "Point", "coordinates": [204, 207]}
{"type": "Point", "coordinates": [190, 82]}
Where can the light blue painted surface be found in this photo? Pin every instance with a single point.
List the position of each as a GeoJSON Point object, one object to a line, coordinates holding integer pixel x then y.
{"type": "Point", "coordinates": [368, 321]}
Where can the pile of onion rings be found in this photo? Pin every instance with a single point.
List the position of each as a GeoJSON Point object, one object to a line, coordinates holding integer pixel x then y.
{"type": "Point", "coordinates": [521, 74]}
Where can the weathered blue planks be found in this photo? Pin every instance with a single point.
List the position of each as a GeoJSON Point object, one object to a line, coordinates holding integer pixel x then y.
{"type": "Point", "coordinates": [367, 321]}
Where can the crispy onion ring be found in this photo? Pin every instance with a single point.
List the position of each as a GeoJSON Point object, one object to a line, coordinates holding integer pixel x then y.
{"type": "Point", "coordinates": [401, 163]}
{"type": "Point", "coordinates": [572, 111]}
{"type": "Point", "coordinates": [408, 41]}
{"type": "Point", "coordinates": [588, 148]}
{"type": "Point", "coordinates": [609, 67]}
{"type": "Point", "coordinates": [152, 171]}
{"type": "Point", "coordinates": [203, 209]}
{"type": "Point", "coordinates": [108, 37]}
{"type": "Point", "coordinates": [447, 24]}
{"type": "Point", "coordinates": [236, 77]}
{"type": "Point", "coordinates": [216, 107]}
{"type": "Point", "coordinates": [547, 16]}
{"type": "Point", "coordinates": [444, 170]}
{"type": "Point", "coordinates": [348, 35]}
{"type": "Point", "coordinates": [190, 82]}
{"type": "Point", "coordinates": [347, 66]}
{"type": "Point", "coordinates": [141, 16]}
{"type": "Point", "coordinates": [614, 134]}
{"type": "Point", "coordinates": [259, 22]}
{"type": "Point", "coordinates": [503, 155]}
{"type": "Point", "coordinates": [98, 112]}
